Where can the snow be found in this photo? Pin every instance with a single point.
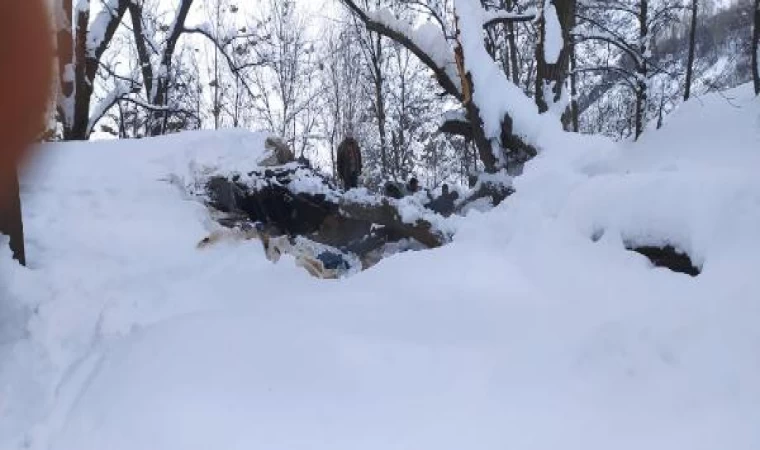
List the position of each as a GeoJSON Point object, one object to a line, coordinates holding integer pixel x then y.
{"type": "Point", "coordinates": [523, 333]}
{"type": "Point", "coordinates": [494, 94]}
{"type": "Point", "coordinates": [553, 42]}
{"type": "Point", "coordinates": [428, 37]}
{"type": "Point", "coordinates": [97, 30]}
{"type": "Point", "coordinates": [120, 89]}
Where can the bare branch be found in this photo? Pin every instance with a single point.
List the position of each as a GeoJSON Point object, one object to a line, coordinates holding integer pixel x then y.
{"type": "Point", "coordinates": [446, 82]}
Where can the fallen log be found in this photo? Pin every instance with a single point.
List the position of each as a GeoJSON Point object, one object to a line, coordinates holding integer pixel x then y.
{"type": "Point", "coordinates": [296, 201]}
{"type": "Point", "coordinates": [386, 214]}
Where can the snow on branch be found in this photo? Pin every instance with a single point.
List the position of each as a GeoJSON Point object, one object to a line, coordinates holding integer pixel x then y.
{"type": "Point", "coordinates": [121, 89]}
{"type": "Point", "coordinates": [427, 42]}
{"type": "Point", "coordinates": [455, 122]}
{"type": "Point", "coordinates": [104, 25]}
{"type": "Point", "coordinates": [509, 117]}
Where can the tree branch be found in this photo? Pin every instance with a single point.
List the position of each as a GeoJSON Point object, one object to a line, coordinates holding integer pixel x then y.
{"type": "Point", "coordinates": [377, 26]}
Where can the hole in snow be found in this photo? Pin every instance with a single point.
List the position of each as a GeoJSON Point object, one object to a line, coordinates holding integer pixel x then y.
{"type": "Point", "coordinates": [668, 257]}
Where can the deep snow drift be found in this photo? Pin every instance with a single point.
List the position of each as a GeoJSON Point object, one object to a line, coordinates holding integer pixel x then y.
{"type": "Point", "coordinates": [534, 329]}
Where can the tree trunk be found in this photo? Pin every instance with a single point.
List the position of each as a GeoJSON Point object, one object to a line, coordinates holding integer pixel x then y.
{"type": "Point", "coordinates": [482, 143]}
{"type": "Point", "coordinates": [84, 84]}
{"type": "Point", "coordinates": [380, 103]}
{"type": "Point", "coordinates": [551, 75]}
{"type": "Point", "coordinates": [11, 222]}
{"type": "Point", "coordinates": [756, 49]}
{"type": "Point", "coordinates": [217, 101]}
{"type": "Point", "coordinates": [157, 84]}
{"type": "Point", "coordinates": [642, 69]}
{"type": "Point", "coordinates": [692, 44]}
{"type": "Point", "coordinates": [66, 92]}
{"type": "Point", "coordinates": [574, 91]}
{"type": "Point", "coordinates": [661, 108]}
{"type": "Point", "coordinates": [512, 44]}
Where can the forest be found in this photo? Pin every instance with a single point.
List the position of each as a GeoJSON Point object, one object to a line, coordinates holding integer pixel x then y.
{"type": "Point", "coordinates": [394, 74]}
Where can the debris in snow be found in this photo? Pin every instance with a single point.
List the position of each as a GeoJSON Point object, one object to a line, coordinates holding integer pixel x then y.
{"type": "Point", "coordinates": [296, 201]}
{"type": "Point", "coordinates": [668, 257]}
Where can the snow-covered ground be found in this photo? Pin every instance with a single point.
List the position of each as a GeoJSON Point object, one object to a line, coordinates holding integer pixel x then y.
{"type": "Point", "coordinates": [523, 333]}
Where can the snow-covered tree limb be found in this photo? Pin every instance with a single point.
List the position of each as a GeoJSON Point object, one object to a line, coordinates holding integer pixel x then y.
{"type": "Point", "coordinates": [434, 52]}
{"type": "Point", "coordinates": [495, 17]}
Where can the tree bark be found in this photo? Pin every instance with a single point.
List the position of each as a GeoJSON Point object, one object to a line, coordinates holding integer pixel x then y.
{"type": "Point", "coordinates": [642, 69]}
{"type": "Point", "coordinates": [692, 45]}
{"type": "Point", "coordinates": [84, 85]}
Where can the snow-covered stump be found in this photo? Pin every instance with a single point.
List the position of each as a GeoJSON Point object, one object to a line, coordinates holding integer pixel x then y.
{"type": "Point", "coordinates": [295, 202]}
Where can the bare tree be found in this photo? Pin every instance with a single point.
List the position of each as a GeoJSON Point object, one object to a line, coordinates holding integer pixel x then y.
{"type": "Point", "coordinates": [376, 60]}
{"type": "Point", "coordinates": [630, 26]}
{"type": "Point", "coordinates": [284, 88]}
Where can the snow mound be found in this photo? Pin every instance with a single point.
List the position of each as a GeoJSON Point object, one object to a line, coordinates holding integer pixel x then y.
{"type": "Point", "coordinates": [526, 332]}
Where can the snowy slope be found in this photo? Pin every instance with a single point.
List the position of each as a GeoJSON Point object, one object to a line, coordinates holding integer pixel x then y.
{"type": "Point", "coordinates": [524, 333]}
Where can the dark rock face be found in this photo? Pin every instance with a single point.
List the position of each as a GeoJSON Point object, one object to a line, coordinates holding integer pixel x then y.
{"type": "Point", "coordinates": [668, 257]}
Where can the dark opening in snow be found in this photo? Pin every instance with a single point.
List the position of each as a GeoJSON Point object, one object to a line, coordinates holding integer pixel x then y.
{"type": "Point", "coordinates": [668, 257]}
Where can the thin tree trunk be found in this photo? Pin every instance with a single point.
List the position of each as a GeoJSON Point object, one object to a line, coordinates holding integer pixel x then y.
{"type": "Point", "coordinates": [642, 69]}
{"type": "Point", "coordinates": [217, 105]}
{"type": "Point", "coordinates": [573, 91]}
{"type": "Point", "coordinates": [11, 222]}
{"type": "Point", "coordinates": [756, 49]}
{"type": "Point", "coordinates": [380, 104]}
{"type": "Point", "coordinates": [692, 44]}
{"type": "Point", "coordinates": [512, 44]}
{"type": "Point", "coordinates": [662, 107]}
{"type": "Point", "coordinates": [84, 84]}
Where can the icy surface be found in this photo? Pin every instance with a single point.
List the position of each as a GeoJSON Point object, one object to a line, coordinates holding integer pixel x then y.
{"type": "Point", "coordinates": [523, 333]}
